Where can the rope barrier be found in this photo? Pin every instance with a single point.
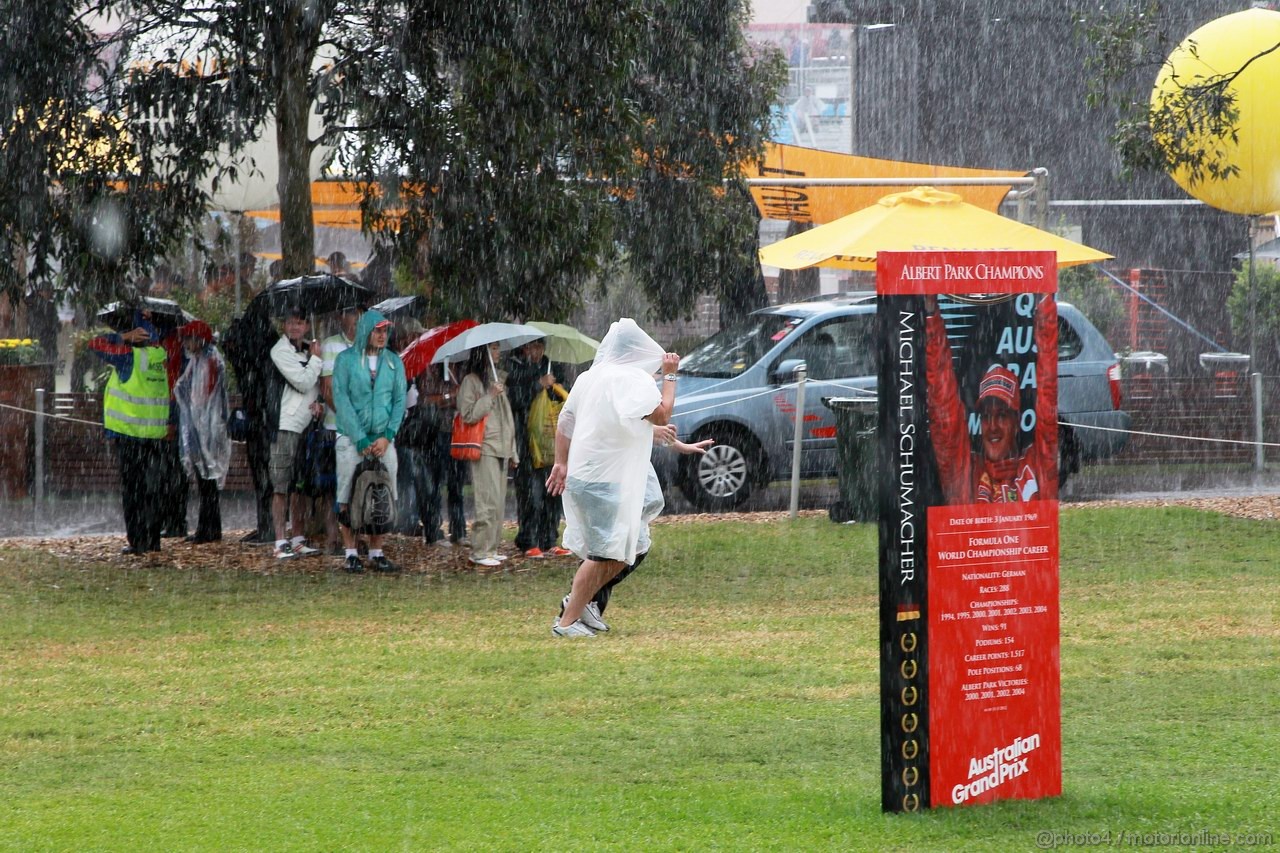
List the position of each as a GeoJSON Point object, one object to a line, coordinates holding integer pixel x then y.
{"type": "Point", "coordinates": [50, 415]}
{"type": "Point", "coordinates": [792, 385]}
{"type": "Point", "coordinates": [1171, 435]}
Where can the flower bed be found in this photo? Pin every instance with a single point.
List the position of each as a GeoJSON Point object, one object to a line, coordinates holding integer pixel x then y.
{"type": "Point", "coordinates": [19, 351]}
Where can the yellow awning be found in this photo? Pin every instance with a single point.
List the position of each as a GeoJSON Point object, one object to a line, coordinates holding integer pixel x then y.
{"type": "Point", "coordinates": [827, 204]}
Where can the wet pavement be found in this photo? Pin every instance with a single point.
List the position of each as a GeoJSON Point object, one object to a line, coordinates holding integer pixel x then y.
{"type": "Point", "coordinates": [99, 513]}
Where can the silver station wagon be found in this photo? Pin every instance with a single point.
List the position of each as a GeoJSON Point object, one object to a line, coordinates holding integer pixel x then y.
{"type": "Point", "coordinates": [738, 387]}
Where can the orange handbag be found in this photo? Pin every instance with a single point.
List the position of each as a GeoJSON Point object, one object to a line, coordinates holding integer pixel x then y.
{"type": "Point", "coordinates": [467, 439]}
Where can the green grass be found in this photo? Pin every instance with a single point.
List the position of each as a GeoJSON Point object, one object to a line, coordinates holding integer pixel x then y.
{"type": "Point", "coordinates": [733, 707]}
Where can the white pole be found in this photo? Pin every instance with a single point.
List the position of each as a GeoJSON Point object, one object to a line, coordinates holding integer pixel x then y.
{"type": "Point", "coordinates": [1259, 452]}
{"type": "Point", "coordinates": [488, 352]}
{"type": "Point", "coordinates": [796, 442]}
{"type": "Point", "coordinates": [235, 223]}
{"type": "Point", "coordinates": [40, 422]}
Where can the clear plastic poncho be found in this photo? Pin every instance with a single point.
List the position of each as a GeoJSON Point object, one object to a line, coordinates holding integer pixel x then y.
{"type": "Point", "coordinates": [201, 394]}
{"type": "Point", "coordinates": [610, 445]}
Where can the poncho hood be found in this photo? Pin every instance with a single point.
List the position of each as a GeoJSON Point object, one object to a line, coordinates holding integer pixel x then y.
{"type": "Point", "coordinates": [627, 345]}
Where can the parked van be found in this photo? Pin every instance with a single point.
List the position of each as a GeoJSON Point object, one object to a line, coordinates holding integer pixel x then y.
{"type": "Point", "coordinates": [733, 388]}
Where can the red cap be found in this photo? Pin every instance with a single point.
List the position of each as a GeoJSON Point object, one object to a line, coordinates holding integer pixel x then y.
{"type": "Point", "coordinates": [382, 324]}
{"type": "Point", "coordinates": [999, 383]}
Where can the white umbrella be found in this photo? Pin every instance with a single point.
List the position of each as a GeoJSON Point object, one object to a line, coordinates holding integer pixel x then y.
{"type": "Point", "coordinates": [506, 335]}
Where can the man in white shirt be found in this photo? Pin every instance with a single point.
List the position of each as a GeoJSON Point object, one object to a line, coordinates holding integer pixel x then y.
{"type": "Point", "coordinates": [299, 362]}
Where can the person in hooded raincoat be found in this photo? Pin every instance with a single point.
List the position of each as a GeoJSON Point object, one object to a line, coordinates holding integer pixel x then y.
{"type": "Point", "coordinates": [203, 411]}
{"type": "Point", "coordinates": [368, 396]}
{"type": "Point", "coordinates": [663, 436]}
{"type": "Point", "coordinates": [603, 443]}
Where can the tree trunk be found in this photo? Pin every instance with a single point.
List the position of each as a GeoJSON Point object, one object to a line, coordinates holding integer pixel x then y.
{"type": "Point", "coordinates": [293, 146]}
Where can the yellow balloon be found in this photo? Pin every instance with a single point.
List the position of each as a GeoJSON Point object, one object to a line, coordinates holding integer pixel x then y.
{"type": "Point", "coordinates": [1223, 46]}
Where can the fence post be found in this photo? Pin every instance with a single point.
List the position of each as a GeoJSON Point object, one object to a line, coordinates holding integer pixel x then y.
{"type": "Point", "coordinates": [798, 438]}
{"type": "Point", "coordinates": [1259, 454]}
{"type": "Point", "coordinates": [39, 429]}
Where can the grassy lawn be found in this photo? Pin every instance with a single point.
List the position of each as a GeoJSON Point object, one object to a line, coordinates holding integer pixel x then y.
{"type": "Point", "coordinates": [734, 705]}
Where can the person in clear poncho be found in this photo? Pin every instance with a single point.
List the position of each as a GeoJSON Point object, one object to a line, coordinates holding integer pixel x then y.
{"type": "Point", "coordinates": [603, 443]}
{"type": "Point", "coordinates": [651, 507]}
{"type": "Point", "coordinates": [204, 444]}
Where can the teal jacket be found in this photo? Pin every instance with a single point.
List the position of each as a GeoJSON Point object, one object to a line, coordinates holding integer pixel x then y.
{"type": "Point", "coordinates": [368, 410]}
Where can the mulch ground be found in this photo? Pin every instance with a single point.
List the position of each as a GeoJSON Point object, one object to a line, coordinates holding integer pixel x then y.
{"type": "Point", "coordinates": [414, 556]}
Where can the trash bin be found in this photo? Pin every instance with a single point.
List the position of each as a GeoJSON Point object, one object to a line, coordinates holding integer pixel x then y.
{"type": "Point", "coordinates": [1142, 372]}
{"type": "Point", "coordinates": [856, 422]}
{"type": "Point", "coordinates": [1229, 370]}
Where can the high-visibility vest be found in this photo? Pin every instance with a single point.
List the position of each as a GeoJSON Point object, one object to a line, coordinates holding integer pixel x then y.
{"type": "Point", "coordinates": [140, 407]}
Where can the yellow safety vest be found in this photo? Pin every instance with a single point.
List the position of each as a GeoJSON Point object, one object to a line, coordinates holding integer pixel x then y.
{"type": "Point", "coordinates": [140, 407]}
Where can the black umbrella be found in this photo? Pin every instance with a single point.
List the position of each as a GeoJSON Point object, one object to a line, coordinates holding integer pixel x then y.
{"type": "Point", "coordinates": [390, 307]}
{"type": "Point", "coordinates": [313, 294]}
{"type": "Point", "coordinates": [165, 313]}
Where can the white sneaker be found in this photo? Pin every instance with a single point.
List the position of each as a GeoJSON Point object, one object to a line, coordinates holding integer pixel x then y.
{"type": "Point", "coordinates": [485, 561]}
{"type": "Point", "coordinates": [285, 552]}
{"type": "Point", "coordinates": [591, 617]}
{"type": "Point", "coordinates": [577, 629]}
{"type": "Point", "coordinates": [501, 558]}
{"type": "Point", "coordinates": [302, 549]}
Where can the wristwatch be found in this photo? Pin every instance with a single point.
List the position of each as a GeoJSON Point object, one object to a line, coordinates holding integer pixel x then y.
{"type": "Point", "coordinates": [669, 377]}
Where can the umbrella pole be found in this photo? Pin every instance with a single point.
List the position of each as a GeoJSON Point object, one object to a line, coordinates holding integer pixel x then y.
{"type": "Point", "coordinates": [492, 367]}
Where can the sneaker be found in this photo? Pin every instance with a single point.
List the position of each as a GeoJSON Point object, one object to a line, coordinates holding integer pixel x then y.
{"type": "Point", "coordinates": [302, 549]}
{"type": "Point", "coordinates": [485, 561]}
{"type": "Point", "coordinates": [353, 565]}
{"type": "Point", "coordinates": [557, 551]}
{"type": "Point", "coordinates": [577, 629]}
{"type": "Point", "coordinates": [501, 558]}
{"type": "Point", "coordinates": [463, 542]}
{"type": "Point", "coordinates": [534, 553]}
{"type": "Point", "coordinates": [591, 617]}
{"type": "Point", "coordinates": [285, 552]}
{"type": "Point", "coordinates": [441, 543]}
{"type": "Point", "coordinates": [382, 564]}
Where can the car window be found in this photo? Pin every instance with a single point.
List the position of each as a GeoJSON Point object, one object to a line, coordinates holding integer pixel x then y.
{"type": "Point", "coordinates": [1069, 344]}
{"type": "Point", "coordinates": [730, 351]}
{"type": "Point", "coordinates": [837, 349]}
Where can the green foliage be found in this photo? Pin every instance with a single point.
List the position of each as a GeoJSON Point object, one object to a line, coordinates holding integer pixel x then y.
{"type": "Point", "coordinates": [1096, 296]}
{"type": "Point", "coordinates": [528, 160]}
{"type": "Point", "coordinates": [1187, 130]}
{"type": "Point", "coordinates": [1263, 327]}
{"type": "Point", "coordinates": [517, 145]}
{"type": "Point", "coordinates": [733, 706]}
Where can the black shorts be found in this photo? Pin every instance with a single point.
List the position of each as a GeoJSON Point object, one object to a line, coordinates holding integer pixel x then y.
{"type": "Point", "coordinates": [639, 559]}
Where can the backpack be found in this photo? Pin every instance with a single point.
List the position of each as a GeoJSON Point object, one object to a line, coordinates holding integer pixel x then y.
{"type": "Point", "coordinates": [373, 507]}
{"type": "Point", "coordinates": [315, 467]}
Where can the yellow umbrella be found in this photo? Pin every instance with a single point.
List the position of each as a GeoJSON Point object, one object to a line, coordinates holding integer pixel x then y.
{"type": "Point", "coordinates": [924, 219]}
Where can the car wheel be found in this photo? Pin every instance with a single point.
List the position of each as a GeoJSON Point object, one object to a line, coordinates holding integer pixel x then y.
{"type": "Point", "coordinates": [722, 478]}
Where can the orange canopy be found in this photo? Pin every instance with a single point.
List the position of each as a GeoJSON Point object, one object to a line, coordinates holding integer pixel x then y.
{"type": "Point", "coordinates": [820, 204]}
{"type": "Point", "coordinates": [334, 204]}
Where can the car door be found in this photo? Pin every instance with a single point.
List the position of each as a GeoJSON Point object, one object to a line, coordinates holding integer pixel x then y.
{"type": "Point", "coordinates": [840, 361]}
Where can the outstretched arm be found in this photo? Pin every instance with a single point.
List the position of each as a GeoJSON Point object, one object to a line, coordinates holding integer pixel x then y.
{"type": "Point", "coordinates": [1046, 438]}
{"type": "Point", "coordinates": [947, 427]}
